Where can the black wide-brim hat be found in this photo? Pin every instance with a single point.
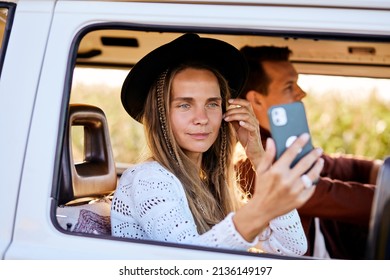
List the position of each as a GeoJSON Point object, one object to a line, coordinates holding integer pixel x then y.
{"type": "Point", "coordinates": [189, 47]}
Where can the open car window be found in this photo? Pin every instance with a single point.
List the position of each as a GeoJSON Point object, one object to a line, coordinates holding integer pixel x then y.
{"type": "Point", "coordinates": [348, 75]}
{"type": "Point", "coordinates": [347, 80]}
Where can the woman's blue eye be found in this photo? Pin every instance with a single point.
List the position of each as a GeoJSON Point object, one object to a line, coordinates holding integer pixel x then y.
{"type": "Point", "coordinates": [184, 106]}
{"type": "Point", "coordinates": [213, 105]}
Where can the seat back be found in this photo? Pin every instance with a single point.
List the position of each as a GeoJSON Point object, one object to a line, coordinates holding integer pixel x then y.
{"type": "Point", "coordinates": [378, 244]}
{"type": "Point", "coordinates": [96, 175]}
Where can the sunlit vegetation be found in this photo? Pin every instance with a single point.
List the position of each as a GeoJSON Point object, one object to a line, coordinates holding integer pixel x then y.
{"type": "Point", "coordinates": [338, 124]}
{"type": "Point", "coordinates": [349, 125]}
{"type": "Point", "coordinates": [127, 135]}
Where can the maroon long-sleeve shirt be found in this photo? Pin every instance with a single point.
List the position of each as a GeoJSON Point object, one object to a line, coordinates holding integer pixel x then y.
{"type": "Point", "coordinates": [342, 201]}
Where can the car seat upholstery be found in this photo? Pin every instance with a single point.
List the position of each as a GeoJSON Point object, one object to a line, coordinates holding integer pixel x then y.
{"type": "Point", "coordinates": [84, 197]}
{"type": "Point", "coordinates": [378, 244]}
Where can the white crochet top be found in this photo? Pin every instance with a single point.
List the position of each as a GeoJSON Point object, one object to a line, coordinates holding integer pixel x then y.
{"type": "Point", "coordinates": [150, 203]}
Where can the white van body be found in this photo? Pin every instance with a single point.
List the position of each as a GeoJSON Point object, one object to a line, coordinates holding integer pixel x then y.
{"type": "Point", "coordinates": [33, 82]}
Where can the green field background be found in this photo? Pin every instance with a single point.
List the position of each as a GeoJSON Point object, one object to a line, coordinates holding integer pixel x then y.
{"type": "Point", "coordinates": [339, 124]}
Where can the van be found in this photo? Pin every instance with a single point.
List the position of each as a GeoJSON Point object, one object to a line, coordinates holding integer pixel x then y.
{"type": "Point", "coordinates": [65, 139]}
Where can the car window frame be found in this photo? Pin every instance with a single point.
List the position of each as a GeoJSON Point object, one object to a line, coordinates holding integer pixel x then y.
{"type": "Point", "coordinates": [179, 30]}
{"type": "Point", "coordinates": [7, 30]}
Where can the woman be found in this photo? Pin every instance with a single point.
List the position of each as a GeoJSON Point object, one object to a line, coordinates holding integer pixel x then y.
{"type": "Point", "coordinates": [186, 191]}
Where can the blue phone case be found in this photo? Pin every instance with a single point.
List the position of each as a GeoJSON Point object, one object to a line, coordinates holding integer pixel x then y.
{"type": "Point", "coordinates": [287, 122]}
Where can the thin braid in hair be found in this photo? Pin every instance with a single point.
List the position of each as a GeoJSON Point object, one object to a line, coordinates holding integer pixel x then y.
{"type": "Point", "coordinates": [222, 159]}
{"type": "Point", "coordinates": [162, 113]}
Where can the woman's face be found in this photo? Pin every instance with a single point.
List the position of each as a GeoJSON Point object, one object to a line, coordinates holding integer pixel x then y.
{"type": "Point", "coordinates": [195, 110]}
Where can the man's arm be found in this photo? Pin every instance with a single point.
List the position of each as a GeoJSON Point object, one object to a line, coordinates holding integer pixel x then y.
{"type": "Point", "coordinates": [346, 168]}
{"type": "Point", "coordinates": [348, 202]}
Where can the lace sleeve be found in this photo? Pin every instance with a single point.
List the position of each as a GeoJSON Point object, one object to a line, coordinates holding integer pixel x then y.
{"type": "Point", "coordinates": [284, 236]}
{"type": "Point", "coordinates": [151, 204]}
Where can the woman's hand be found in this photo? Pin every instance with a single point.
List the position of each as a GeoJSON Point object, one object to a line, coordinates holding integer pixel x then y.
{"type": "Point", "coordinates": [279, 189]}
{"type": "Point", "coordinates": [243, 119]}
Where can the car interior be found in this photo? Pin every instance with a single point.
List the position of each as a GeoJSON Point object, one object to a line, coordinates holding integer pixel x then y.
{"type": "Point", "coordinates": [86, 183]}
{"type": "Point", "coordinates": [86, 186]}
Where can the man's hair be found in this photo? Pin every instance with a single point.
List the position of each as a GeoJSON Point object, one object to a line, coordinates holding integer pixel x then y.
{"type": "Point", "coordinates": [257, 79]}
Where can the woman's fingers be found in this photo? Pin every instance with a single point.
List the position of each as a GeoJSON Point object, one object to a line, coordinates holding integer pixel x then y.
{"type": "Point", "coordinates": [278, 183]}
{"type": "Point", "coordinates": [243, 119]}
{"type": "Point", "coordinates": [268, 156]}
{"type": "Point", "coordinates": [240, 110]}
{"type": "Point", "coordinates": [307, 162]}
{"type": "Point", "coordinates": [240, 114]}
{"type": "Point", "coordinates": [296, 147]}
{"type": "Point", "coordinates": [310, 179]}
{"type": "Point", "coordinates": [239, 102]}
{"type": "Point", "coordinates": [292, 152]}
{"type": "Point", "coordinates": [305, 174]}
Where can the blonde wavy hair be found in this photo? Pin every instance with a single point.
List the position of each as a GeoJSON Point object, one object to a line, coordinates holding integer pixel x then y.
{"type": "Point", "coordinates": [212, 192]}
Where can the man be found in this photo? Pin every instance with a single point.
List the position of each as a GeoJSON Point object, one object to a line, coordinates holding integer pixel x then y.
{"type": "Point", "coordinates": [343, 197]}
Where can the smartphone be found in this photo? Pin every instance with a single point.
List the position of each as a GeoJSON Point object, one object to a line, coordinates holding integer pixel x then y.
{"type": "Point", "coordinates": [287, 122]}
